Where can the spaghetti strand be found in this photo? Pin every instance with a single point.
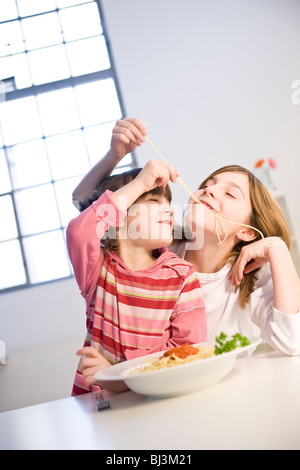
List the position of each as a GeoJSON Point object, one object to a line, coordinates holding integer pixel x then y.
{"type": "Point", "coordinates": [195, 199]}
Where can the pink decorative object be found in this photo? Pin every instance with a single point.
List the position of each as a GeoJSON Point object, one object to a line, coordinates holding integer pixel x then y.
{"type": "Point", "coordinates": [262, 170]}
{"type": "Point", "coordinates": [272, 163]}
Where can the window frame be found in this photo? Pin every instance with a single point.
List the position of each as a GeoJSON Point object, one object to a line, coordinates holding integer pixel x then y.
{"type": "Point", "coordinates": [34, 90]}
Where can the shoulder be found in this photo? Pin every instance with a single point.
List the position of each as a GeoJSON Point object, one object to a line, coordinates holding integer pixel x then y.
{"type": "Point", "coordinates": [183, 268]}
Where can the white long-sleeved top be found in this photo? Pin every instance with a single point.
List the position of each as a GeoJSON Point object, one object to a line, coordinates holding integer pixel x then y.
{"type": "Point", "coordinates": [259, 318]}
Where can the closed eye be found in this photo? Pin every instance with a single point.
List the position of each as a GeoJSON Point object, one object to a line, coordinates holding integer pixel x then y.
{"type": "Point", "coordinates": [231, 195]}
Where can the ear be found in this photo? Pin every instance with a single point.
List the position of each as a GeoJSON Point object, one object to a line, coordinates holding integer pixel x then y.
{"type": "Point", "coordinates": [246, 234]}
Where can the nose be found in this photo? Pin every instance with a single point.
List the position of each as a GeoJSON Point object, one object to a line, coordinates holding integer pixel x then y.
{"type": "Point", "coordinates": [167, 209]}
{"type": "Point", "coordinates": [210, 191]}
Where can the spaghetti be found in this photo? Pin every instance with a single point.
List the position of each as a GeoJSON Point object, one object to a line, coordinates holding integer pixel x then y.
{"type": "Point", "coordinates": [218, 218]}
{"type": "Point", "coordinates": [175, 357]}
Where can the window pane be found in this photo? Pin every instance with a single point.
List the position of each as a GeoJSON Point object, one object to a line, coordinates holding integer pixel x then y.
{"type": "Point", "coordinates": [41, 31]}
{"type": "Point", "coordinates": [80, 22]}
{"type": "Point", "coordinates": [98, 102]}
{"type": "Point", "coordinates": [8, 226]}
{"type": "Point", "coordinates": [98, 140]}
{"type": "Point", "coordinates": [52, 129]}
{"type": "Point", "coordinates": [16, 66]}
{"type": "Point", "coordinates": [20, 120]}
{"type": "Point", "coordinates": [67, 155]}
{"type": "Point", "coordinates": [31, 7]}
{"type": "Point", "coordinates": [8, 10]}
{"type": "Point", "coordinates": [58, 111]}
{"type": "Point", "coordinates": [46, 257]}
{"type": "Point", "coordinates": [11, 38]}
{"type": "Point", "coordinates": [29, 164]}
{"type": "Point", "coordinates": [118, 170]}
{"type": "Point", "coordinates": [64, 190]}
{"type": "Point", "coordinates": [88, 55]}
{"type": "Point", "coordinates": [37, 209]}
{"type": "Point", "coordinates": [5, 185]}
{"type": "Point", "coordinates": [12, 271]}
{"type": "Point", "coordinates": [49, 65]}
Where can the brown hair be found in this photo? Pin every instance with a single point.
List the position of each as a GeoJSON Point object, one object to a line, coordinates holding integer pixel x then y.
{"type": "Point", "coordinates": [266, 216]}
{"type": "Point", "coordinates": [110, 240]}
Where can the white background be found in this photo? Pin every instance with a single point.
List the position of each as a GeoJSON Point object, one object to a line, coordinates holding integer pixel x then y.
{"type": "Point", "coordinates": [214, 79]}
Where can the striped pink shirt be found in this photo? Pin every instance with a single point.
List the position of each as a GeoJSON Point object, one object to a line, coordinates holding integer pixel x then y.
{"type": "Point", "coordinates": [131, 314]}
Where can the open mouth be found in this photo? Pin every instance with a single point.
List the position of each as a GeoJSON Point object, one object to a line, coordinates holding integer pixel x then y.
{"type": "Point", "coordinates": [167, 222]}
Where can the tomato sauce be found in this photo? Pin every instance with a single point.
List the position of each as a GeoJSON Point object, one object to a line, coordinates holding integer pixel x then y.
{"type": "Point", "coordinates": [182, 351]}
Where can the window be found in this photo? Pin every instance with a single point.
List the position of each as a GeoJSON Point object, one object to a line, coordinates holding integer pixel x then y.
{"type": "Point", "coordinates": [59, 101]}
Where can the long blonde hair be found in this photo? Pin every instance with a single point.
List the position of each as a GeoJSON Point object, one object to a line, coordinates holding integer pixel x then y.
{"type": "Point", "coordinates": [266, 216]}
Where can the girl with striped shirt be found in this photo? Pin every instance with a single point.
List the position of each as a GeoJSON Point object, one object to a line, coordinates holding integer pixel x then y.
{"type": "Point", "coordinates": [140, 297]}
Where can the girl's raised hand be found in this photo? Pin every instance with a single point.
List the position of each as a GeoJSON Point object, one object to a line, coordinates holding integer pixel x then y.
{"type": "Point", "coordinates": [127, 135]}
{"type": "Point", "coordinates": [156, 173]}
{"type": "Point", "coordinates": [90, 363]}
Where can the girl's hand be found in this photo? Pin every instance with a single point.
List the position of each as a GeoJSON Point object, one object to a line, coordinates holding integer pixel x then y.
{"type": "Point", "coordinates": [127, 135]}
{"type": "Point", "coordinates": [156, 173]}
{"type": "Point", "coordinates": [91, 362]}
{"type": "Point", "coordinates": [256, 254]}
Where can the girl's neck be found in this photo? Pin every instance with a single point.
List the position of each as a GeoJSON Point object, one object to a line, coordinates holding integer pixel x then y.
{"type": "Point", "coordinates": [208, 259]}
{"type": "Point", "coordinates": [137, 259]}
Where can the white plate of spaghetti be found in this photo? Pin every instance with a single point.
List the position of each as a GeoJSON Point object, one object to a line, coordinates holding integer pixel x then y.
{"type": "Point", "coordinates": [167, 374]}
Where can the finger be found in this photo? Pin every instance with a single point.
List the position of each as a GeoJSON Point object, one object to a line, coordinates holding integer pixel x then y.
{"type": "Point", "coordinates": [87, 362]}
{"type": "Point", "coordinates": [139, 124]}
{"type": "Point", "coordinates": [252, 266]}
{"type": "Point", "coordinates": [135, 126]}
{"type": "Point", "coordinates": [173, 173]}
{"type": "Point", "coordinates": [89, 373]}
{"type": "Point", "coordinates": [123, 134]}
{"type": "Point", "coordinates": [237, 272]}
{"type": "Point", "coordinates": [88, 351]}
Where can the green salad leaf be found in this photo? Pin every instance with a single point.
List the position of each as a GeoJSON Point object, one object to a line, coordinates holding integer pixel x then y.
{"type": "Point", "coordinates": [225, 344]}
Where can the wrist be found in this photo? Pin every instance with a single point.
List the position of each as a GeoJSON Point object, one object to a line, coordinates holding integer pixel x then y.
{"type": "Point", "coordinates": [127, 195]}
{"type": "Point", "coordinates": [277, 247]}
{"type": "Point", "coordinates": [114, 157]}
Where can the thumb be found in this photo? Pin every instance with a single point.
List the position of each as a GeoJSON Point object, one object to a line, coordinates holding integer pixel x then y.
{"type": "Point", "coordinates": [88, 351]}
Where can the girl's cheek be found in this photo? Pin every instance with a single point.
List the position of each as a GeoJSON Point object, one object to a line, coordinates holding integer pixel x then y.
{"type": "Point", "coordinates": [198, 194]}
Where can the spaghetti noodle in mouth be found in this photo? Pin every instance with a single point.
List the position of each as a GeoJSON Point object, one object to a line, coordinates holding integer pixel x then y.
{"type": "Point", "coordinates": [174, 357]}
{"type": "Point", "coordinates": [219, 219]}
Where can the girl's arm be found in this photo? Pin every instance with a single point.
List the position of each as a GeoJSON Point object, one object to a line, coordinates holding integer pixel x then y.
{"type": "Point", "coordinates": [127, 135]}
{"type": "Point", "coordinates": [85, 231]}
{"type": "Point", "coordinates": [286, 283]}
{"type": "Point", "coordinates": [83, 240]}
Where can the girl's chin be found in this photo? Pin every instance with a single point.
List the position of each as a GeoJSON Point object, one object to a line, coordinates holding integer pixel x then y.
{"type": "Point", "coordinates": [197, 219]}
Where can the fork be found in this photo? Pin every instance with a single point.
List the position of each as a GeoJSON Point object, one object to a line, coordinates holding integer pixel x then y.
{"type": "Point", "coordinates": [101, 403]}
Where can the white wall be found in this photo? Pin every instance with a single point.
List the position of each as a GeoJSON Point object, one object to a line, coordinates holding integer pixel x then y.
{"type": "Point", "coordinates": [42, 327]}
{"type": "Point", "coordinates": [214, 79]}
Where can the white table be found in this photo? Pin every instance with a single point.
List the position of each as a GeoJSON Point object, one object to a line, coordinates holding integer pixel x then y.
{"type": "Point", "coordinates": [257, 406]}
